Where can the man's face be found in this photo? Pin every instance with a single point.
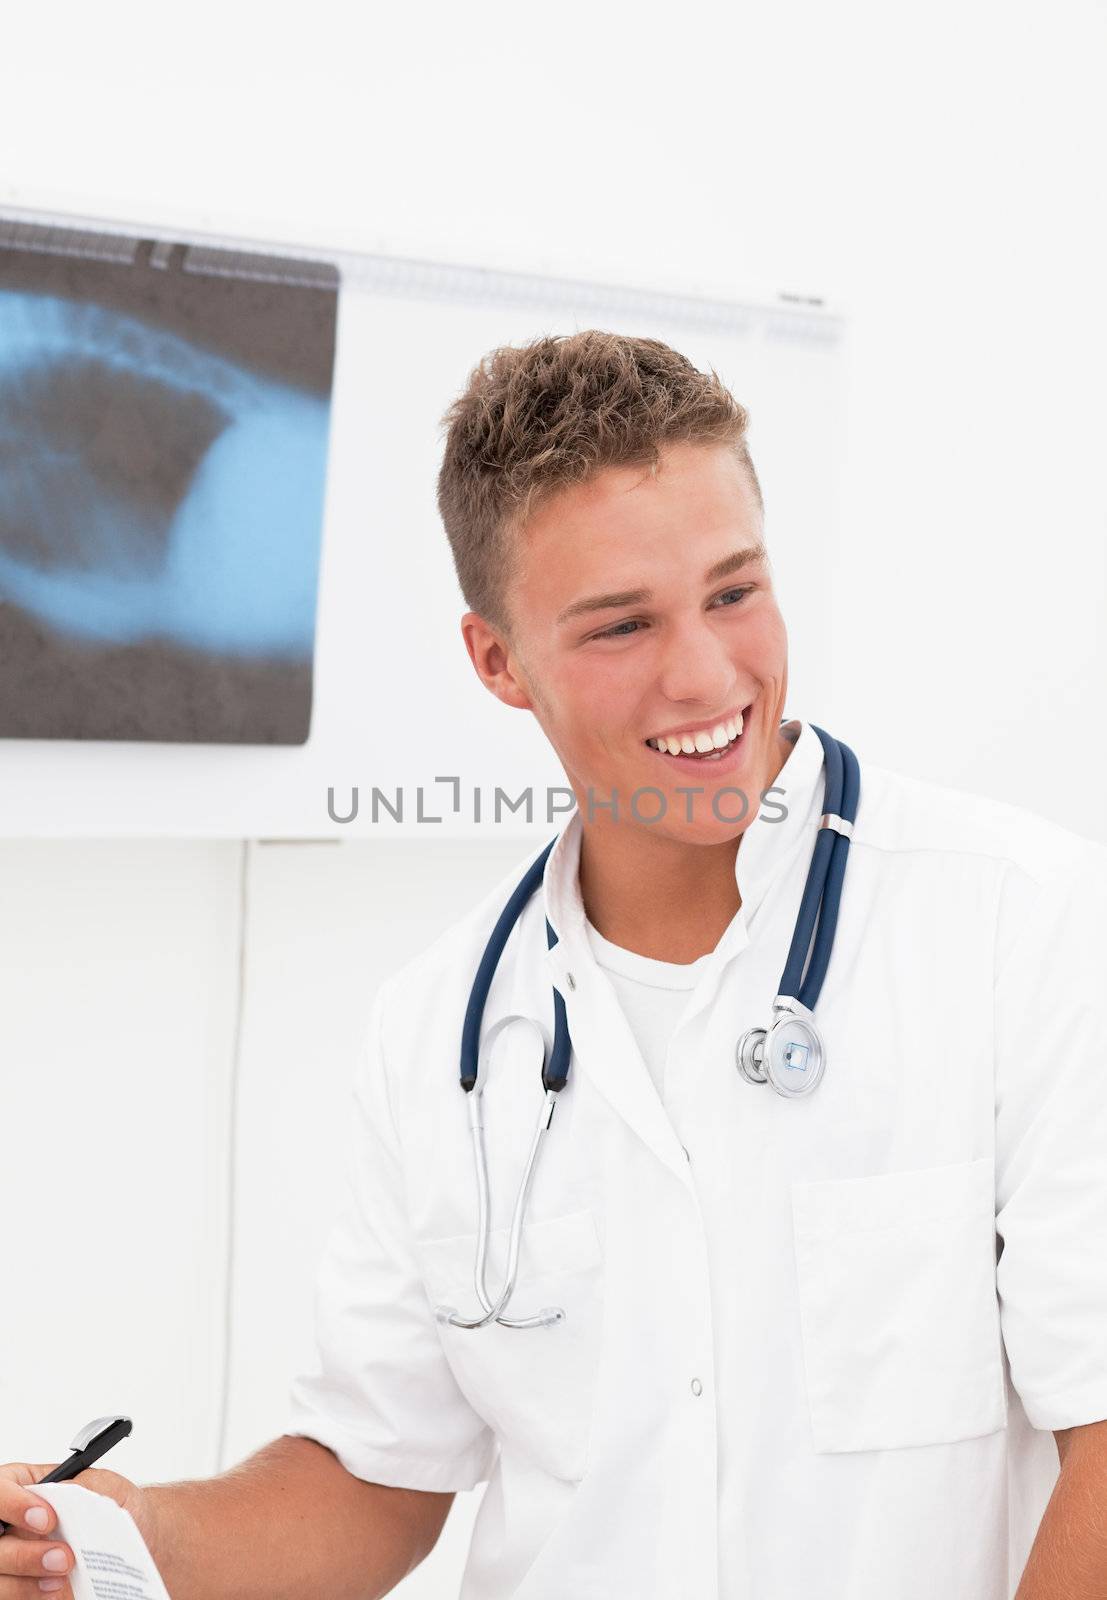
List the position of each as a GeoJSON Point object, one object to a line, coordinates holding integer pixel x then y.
{"type": "Point", "coordinates": [634, 618]}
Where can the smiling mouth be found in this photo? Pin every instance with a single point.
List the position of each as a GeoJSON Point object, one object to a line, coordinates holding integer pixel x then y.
{"type": "Point", "coordinates": [729, 730]}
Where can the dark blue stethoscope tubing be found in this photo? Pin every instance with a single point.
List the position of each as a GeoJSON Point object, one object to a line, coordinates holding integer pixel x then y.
{"type": "Point", "coordinates": [812, 984]}
{"type": "Point", "coordinates": [486, 971]}
{"type": "Point", "coordinates": [828, 914]}
{"type": "Point", "coordinates": [555, 1071]}
{"type": "Point", "coordinates": [814, 888]}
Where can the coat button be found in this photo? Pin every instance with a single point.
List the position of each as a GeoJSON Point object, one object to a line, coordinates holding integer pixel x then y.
{"type": "Point", "coordinates": [570, 980]}
{"type": "Point", "coordinates": [697, 1386]}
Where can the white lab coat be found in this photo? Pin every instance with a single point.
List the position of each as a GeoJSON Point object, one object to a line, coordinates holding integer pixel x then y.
{"type": "Point", "coordinates": [790, 1365]}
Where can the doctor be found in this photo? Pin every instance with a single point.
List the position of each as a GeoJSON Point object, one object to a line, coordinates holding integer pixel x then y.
{"type": "Point", "coordinates": [849, 1344]}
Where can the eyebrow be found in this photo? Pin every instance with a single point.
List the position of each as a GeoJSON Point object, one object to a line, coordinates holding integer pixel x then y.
{"type": "Point", "coordinates": [635, 597]}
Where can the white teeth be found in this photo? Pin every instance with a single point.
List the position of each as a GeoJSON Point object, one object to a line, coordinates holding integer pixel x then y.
{"type": "Point", "coordinates": [702, 743]}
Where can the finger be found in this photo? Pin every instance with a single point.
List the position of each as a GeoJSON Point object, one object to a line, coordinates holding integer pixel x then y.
{"type": "Point", "coordinates": [32, 1588]}
{"type": "Point", "coordinates": [19, 1505]}
{"type": "Point", "coordinates": [34, 1558]}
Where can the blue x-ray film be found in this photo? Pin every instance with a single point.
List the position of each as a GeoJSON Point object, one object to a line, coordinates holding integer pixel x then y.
{"type": "Point", "coordinates": [164, 420]}
{"type": "Point", "coordinates": [150, 489]}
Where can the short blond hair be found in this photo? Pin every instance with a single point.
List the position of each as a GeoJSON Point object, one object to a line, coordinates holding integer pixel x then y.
{"type": "Point", "coordinates": [535, 419]}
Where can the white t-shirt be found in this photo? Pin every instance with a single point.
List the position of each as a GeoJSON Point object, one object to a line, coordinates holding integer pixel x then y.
{"type": "Point", "coordinates": [653, 995]}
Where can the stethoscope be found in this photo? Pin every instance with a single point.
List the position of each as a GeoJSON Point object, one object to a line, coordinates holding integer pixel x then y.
{"type": "Point", "coordinates": [789, 1054]}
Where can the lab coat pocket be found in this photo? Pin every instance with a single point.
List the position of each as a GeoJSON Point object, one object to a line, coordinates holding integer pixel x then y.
{"type": "Point", "coordinates": [534, 1386]}
{"type": "Point", "coordinates": [898, 1308]}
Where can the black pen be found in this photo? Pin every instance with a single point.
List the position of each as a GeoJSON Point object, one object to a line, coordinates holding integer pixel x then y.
{"type": "Point", "coordinates": [93, 1441]}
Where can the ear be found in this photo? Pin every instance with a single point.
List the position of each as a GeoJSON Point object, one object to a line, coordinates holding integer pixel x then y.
{"type": "Point", "coordinates": [495, 665]}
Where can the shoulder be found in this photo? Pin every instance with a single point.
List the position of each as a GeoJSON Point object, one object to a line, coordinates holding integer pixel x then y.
{"type": "Point", "coordinates": [975, 861]}
{"type": "Point", "coordinates": [902, 815]}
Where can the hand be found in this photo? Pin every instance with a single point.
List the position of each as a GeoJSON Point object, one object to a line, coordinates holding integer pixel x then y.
{"type": "Point", "coordinates": [31, 1562]}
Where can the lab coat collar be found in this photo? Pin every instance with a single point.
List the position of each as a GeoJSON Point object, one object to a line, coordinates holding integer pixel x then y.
{"type": "Point", "coordinates": [766, 846]}
{"type": "Point", "coordinates": [603, 1043]}
{"type": "Point", "coordinates": [771, 840]}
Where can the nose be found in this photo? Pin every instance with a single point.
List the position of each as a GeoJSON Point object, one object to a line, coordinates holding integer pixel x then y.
{"type": "Point", "coordinates": [695, 668]}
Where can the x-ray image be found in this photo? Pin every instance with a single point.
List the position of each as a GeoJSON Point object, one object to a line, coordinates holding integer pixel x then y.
{"type": "Point", "coordinates": [164, 417]}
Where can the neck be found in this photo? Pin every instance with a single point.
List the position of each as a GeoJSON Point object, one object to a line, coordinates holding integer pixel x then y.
{"type": "Point", "coordinates": [661, 897]}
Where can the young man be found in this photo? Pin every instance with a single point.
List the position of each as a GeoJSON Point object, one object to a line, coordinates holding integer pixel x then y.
{"type": "Point", "coordinates": [811, 1346]}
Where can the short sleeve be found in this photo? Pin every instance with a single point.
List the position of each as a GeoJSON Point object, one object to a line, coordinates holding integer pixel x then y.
{"type": "Point", "coordinates": [381, 1394]}
{"type": "Point", "coordinates": [1051, 1138]}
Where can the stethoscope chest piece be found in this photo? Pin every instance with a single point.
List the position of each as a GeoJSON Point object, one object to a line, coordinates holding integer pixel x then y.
{"type": "Point", "coordinates": [789, 1054]}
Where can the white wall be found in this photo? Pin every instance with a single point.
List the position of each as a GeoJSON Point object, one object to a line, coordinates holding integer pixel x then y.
{"type": "Point", "coordinates": [119, 972]}
{"type": "Point", "coordinates": [937, 169]}
{"type": "Point", "coordinates": [178, 1030]}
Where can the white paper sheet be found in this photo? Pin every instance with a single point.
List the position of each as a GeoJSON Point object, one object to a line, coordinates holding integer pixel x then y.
{"type": "Point", "coordinates": [112, 1561]}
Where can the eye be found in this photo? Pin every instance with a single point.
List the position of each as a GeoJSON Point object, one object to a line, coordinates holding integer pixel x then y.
{"type": "Point", "coordinates": [618, 629]}
{"type": "Point", "coordinates": [615, 632]}
{"type": "Point", "coordinates": [741, 593]}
